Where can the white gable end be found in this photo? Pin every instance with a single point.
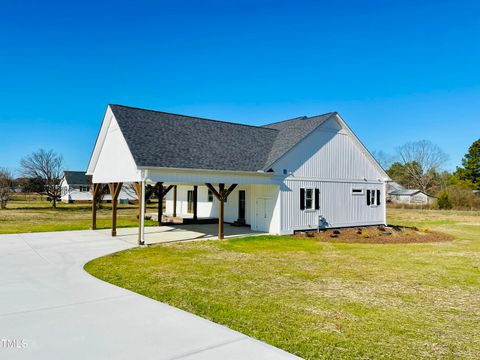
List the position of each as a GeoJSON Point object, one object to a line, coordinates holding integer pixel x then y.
{"type": "Point", "coordinates": [112, 160]}
{"type": "Point", "coordinates": [330, 152]}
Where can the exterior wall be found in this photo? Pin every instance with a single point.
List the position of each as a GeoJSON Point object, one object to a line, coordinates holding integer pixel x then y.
{"type": "Point", "coordinates": [270, 194]}
{"type": "Point", "coordinates": [114, 163]}
{"type": "Point", "coordinates": [338, 205]}
{"type": "Point", "coordinates": [417, 199]}
{"type": "Point", "coordinates": [332, 160]}
{"type": "Point", "coordinates": [330, 152]}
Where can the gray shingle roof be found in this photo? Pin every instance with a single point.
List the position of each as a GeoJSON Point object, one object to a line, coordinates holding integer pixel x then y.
{"type": "Point", "coordinates": [409, 192]}
{"type": "Point", "coordinates": [76, 178]}
{"type": "Point", "coordinates": [291, 132]}
{"type": "Point", "coordinates": [159, 139]}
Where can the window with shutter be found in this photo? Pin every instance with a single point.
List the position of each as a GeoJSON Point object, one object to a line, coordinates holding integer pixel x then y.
{"type": "Point", "coordinates": [302, 199]}
{"type": "Point", "coordinates": [368, 197]}
{"type": "Point", "coordinates": [317, 199]}
{"type": "Point", "coordinates": [378, 197]}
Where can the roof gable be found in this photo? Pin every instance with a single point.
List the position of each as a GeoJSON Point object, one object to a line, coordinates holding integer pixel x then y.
{"type": "Point", "coordinates": [291, 132]}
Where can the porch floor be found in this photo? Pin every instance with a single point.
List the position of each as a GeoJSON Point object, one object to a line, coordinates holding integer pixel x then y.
{"type": "Point", "coordinates": [180, 232]}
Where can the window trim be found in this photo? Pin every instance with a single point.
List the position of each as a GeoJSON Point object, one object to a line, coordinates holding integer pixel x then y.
{"type": "Point", "coordinates": [373, 197]}
{"type": "Point", "coordinates": [312, 198]}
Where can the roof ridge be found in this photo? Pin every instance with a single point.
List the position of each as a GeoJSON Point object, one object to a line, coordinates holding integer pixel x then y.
{"type": "Point", "coordinates": [304, 117]}
{"type": "Point", "coordinates": [193, 117]}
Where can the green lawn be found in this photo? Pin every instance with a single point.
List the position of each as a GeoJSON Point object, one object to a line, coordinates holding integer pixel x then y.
{"type": "Point", "coordinates": [26, 213]}
{"type": "Point", "coordinates": [325, 300]}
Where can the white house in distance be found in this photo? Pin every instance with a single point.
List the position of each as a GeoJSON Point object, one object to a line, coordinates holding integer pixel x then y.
{"type": "Point", "coordinates": [77, 187]}
{"type": "Point", "coordinates": [278, 178]}
{"type": "Point", "coordinates": [398, 194]}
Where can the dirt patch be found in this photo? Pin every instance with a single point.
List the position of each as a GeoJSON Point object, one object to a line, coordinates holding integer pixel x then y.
{"type": "Point", "coordinates": [378, 235]}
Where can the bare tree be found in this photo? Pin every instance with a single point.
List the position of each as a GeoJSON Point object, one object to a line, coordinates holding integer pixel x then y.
{"type": "Point", "coordinates": [6, 185]}
{"type": "Point", "coordinates": [422, 161]}
{"type": "Point", "coordinates": [48, 166]}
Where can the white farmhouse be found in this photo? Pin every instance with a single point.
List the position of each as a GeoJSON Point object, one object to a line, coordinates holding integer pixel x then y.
{"type": "Point", "coordinates": [77, 188]}
{"type": "Point", "coordinates": [278, 178]}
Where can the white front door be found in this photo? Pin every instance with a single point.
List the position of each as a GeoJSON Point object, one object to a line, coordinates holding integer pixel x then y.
{"type": "Point", "coordinates": [262, 214]}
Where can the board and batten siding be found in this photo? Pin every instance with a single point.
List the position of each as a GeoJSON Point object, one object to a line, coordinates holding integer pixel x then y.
{"type": "Point", "coordinates": [332, 160]}
{"type": "Point", "coordinates": [337, 204]}
{"type": "Point", "coordinates": [329, 152]}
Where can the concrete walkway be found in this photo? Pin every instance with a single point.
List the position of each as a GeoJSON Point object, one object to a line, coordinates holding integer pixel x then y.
{"type": "Point", "coordinates": [50, 308]}
{"type": "Point", "coordinates": [180, 232]}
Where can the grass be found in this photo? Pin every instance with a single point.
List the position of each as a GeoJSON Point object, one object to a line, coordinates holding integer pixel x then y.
{"type": "Point", "coordinates": [26, 213]}
{"type": "Point", "coordinates": [325, 300]}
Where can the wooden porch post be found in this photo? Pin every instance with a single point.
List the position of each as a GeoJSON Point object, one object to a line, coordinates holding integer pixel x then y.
{"type": "Point", "coordinates": [195, 198]}
{"type": "Point", "coordinates": [96, 191]}
{"type": "Point", "coordinates": [221, 196]}
{"type": "Point", "coordinates": [114, 191]}
{"type": "Point", "coordinates": [160, 202]}
{"type": "Point", "coordinates": [174, 200]}
{"type": "Point", "coordinates": [161, 191]}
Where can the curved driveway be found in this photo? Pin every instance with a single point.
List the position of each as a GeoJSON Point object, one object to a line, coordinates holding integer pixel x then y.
{"type": "Point", "coordinates": [50, 308]}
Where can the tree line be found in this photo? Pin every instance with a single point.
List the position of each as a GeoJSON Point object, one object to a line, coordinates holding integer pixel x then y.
{"type": "Point", "coordinates": [419, 165]}
{"type": "Point", "coordinates": [416, 165]}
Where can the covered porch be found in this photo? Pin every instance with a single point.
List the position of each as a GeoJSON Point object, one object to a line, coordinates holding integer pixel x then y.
{"type": "Point", "coordinates": [148, 150]}
{"type": "Point", "coordinates": [193, 206]}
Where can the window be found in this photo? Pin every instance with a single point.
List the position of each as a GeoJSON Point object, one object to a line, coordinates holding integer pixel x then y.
{"type": "Point", "coordinates": [210, 196]}
{"type": "Point", "coordinates": [309, 199]}
{"type": "Point", "coordinates": [357, 192]}
{"type": "Point", "coordinates": [285, 171]}
{"type": "Point", "coordinates": [373, 197]}
{"type": "Point", "coordinates": [84, 188]}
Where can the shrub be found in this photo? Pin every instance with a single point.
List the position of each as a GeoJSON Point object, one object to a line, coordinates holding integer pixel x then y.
{"type": "Point", "coordinates": [462, 197]}
{"type": "Point", "coordinates": [443, 202]}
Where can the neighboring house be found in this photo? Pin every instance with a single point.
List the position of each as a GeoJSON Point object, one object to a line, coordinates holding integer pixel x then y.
{"type": "Point", "coordinates": [278, 178]}
{"type": "Point", "coordinates": [19, 185]}
{"type": "Point", "coordinates": [77, 186]}
{"type": "Point", "coordinates": [398, 194]}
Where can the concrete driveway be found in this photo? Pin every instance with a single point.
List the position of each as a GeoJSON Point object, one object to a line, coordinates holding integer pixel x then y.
{"type": "Point", "coordinates": [50, 308]}
{"type": "Point", "coordinates": [180, 232]}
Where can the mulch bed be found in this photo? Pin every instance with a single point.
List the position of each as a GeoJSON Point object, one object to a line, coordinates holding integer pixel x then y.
{"type": "Point", "coordinates": [378, 235]}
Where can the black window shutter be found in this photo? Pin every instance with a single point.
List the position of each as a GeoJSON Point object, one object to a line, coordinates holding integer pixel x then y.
{"type": "Point", "coordinates": [317, 199]}
{"type": "Point", "coordinates": [368, 197]}
{"type": "Point", "coordinates": [378, 197]}
{"type": "Point", "coordinates": [302, 199]}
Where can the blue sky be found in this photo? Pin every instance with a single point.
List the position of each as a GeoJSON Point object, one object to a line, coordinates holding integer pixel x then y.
{"type": "Point", "coordinates": [395, 70]}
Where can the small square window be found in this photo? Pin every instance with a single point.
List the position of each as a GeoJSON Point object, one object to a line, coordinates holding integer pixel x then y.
{"type": "Point", "coordinates": [285, 171]}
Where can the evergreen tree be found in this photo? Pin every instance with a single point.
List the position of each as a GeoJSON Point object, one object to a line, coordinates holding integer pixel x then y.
{"type": "Point", "coordinates": [470, 170]}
